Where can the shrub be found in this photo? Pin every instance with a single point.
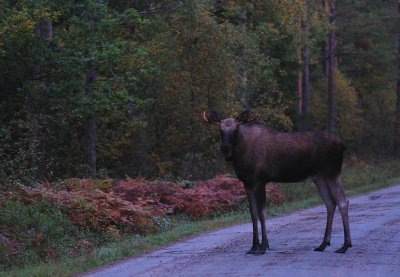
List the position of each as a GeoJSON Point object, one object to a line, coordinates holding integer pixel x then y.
{"type": "Point", "coordinates": [32, 233]}
{"type": "Point", "coordinates": [275, 196]}
{"type": "Point", "coordinates": [72, 216]}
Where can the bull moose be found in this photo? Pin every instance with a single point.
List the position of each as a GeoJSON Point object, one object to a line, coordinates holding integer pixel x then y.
{"type": "Point", "coordinates": [260, 155]}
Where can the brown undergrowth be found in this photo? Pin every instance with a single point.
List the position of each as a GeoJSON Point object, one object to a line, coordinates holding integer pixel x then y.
{"type": "Point", "coordinates": [53, 219]}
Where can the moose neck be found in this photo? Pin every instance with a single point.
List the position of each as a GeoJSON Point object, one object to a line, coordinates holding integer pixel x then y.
{"type": "Point", "coordinates": [245, 142]}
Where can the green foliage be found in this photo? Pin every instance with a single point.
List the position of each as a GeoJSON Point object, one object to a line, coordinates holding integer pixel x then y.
{"type": "Point", "coordinates": [357, 173]}
{"type": "Point", "coordinates": [158, 65]}
{"type": "Point", "coordinates": [33, 233]}
{"type": "Point", "coordinates": [369, 59]}
{"type": "Point", "coordinates": [349, 113]}
{"type": "Point", "coordinates": [50, 112]}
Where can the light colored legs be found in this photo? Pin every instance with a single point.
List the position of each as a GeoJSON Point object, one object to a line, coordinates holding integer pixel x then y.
{"type": "Point", "coordinates": [332, 192]}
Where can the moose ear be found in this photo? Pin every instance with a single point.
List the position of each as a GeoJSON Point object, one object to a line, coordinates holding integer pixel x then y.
{"type": "Point", "coordinates": [211, 117]}
{"type": "Point", "coordinates": [245, 117]}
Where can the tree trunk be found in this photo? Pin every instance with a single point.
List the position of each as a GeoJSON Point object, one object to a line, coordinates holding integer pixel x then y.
{"type": "Point", "coordinates": [244, 99]}
{"type": "Point", "coordinates": [299, 97]}
{"type": "Point", "coordinates": [89, 136]}
{"type": "Point", "coordinates": [303, 75]}
{"type": "Point", "coordinates": [306, 80]}
{"type": "Point", "coordinates": [43, 30]}
{"type": "Point", "coordinates": [299, 118]}
{"type": "Point", "coordinates": [397, 134]}
{"type": "Point", "coordinates": [331, 70]}
{"type": "Point", "coordinates": [325, 62]}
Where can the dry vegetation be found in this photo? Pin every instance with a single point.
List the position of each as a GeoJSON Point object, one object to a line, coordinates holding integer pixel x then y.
{"type": "Point", "coordinates": [74, 215]}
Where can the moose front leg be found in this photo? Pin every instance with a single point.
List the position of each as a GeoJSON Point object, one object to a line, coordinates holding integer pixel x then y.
{"type": "Point", "coordinates": [254, 218]}
{"type": "Point", "coordinates": [261, 210]}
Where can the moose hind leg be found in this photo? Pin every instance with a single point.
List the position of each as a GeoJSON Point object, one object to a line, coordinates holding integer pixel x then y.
{"type": "Point", "coordinates": [337, 191]}
{"type": "Point", "coordinates": [254, 218]}
{"type": "Point", "coordinates": [324, 192]}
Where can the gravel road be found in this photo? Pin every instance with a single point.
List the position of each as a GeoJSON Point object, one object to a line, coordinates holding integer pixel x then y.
{"type": "Point", "coordinates": [375, 230]}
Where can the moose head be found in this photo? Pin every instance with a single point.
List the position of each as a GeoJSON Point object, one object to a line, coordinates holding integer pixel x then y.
{"type": "Point", "coordinates": [228, 128]}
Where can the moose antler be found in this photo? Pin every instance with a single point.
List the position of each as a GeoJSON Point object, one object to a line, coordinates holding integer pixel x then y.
{"type": "Point", "coordinates": [211, 117]}
{"type": "Point", "coordinates": [254, 117]}
{"type": "Point", "coordinates": [204, 116]}
{"type": "Point", "coordinates": [245, 117]}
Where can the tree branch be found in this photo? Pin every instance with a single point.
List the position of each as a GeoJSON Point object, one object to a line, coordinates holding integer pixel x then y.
{"type": "Point", "coordinates": [170, 7]}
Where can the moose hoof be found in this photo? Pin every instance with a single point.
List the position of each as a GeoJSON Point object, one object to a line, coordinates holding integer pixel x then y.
{"type": "Point", "coordinates": [260, 252]}
{"type": "Point", "coordinates": [322, 246]}
{"type": "Point", "coordinates": [343, 249]}
{"type": "Point", "coordinates": [256, 252]}
{"type": "Point", "coordinates": [252, 251]}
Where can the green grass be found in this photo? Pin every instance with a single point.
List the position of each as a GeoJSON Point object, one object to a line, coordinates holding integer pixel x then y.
{"type": "Point", "coordinates": [131, 247]}
{"type": "Point", "coordinates": [358, 180]}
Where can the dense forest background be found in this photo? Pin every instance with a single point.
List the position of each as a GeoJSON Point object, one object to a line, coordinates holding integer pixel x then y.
{"type": "Point", "coordinates": [115, 88]}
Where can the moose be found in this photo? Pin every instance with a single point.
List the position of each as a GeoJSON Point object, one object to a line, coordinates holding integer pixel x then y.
{"type": "Point", "coordinates": [260, 155]}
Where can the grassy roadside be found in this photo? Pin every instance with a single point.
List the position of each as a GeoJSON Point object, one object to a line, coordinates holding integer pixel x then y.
{"type": "Point", "coordinates": [376, 177]}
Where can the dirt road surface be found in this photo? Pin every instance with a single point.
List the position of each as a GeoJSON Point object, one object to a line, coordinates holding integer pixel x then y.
{"type": "Point", "coordinates": [374, 223]}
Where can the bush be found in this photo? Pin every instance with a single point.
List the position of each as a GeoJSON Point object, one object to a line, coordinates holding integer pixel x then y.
{"type": "Point", "coordinates": [32, 233]}
{"type": "Point", "coordinates": [197, 200]}
{"type": "Point", "coordinates": [72, 217]}
{"type": "Point", "coordinates": [357, 172]}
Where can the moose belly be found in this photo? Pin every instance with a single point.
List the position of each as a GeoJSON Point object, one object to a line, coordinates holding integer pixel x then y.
{"type": "Point", "coordinates": [281, 170]}
{"type": "Point", "coordinates": [293, 172]}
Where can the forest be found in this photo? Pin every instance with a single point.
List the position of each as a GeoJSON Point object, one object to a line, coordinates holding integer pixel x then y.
{"type": "Point", "coordinates": [116, 88]}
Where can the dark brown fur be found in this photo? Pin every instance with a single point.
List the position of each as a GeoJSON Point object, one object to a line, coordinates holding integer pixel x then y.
{"type": "Point", "coordinates": [261, 155]}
